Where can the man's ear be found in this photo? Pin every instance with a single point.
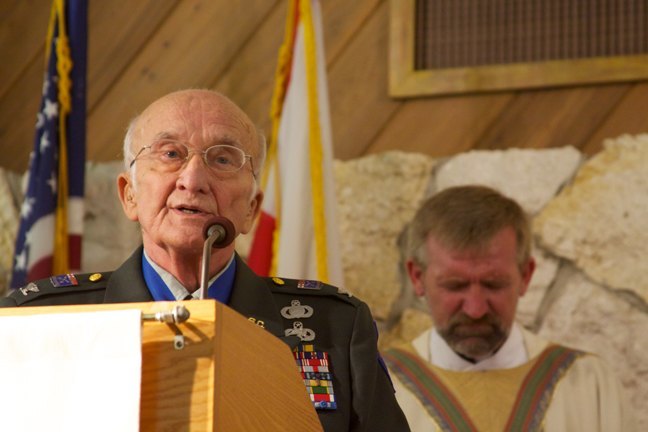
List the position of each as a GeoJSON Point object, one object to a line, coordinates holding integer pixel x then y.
{"type": "Point", "coordinates": [127, 196]}
{"type": "Point", "coordinates": [527, 273]}
{"type": "Point", "coordinates": [416, 274]}
{"type": "Point", "coordinates": [253, 211]}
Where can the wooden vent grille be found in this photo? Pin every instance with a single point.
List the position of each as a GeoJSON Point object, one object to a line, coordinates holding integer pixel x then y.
{"type": "Point", "coordinates": [471, 33]}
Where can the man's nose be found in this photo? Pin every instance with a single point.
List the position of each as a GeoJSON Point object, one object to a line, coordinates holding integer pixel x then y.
{"type": "Point", "coordinates": [475, 303]}
{"type": "Point", "coordinates": [194, 175]}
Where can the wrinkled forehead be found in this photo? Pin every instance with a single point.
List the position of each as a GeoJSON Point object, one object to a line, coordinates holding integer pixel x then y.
{"type": "Point", "coordinates": [199, 118]}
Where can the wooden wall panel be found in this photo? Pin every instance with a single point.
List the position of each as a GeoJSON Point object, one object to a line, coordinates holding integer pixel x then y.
{"type": "Point", "coordinates": [249, 80]}
{"type": "Point", "coordinates": [190, 49]}
{"type": "Point", "coordinates": [440, 126]}
{"type": "Point", "coordinates": [141, 50]}
{"type": "Point", "coordinates": [115, 42]}
{"type": "Point", "coordinates": [18, 117]}
{"type": "Point", "coordinates": [552, 118]}
{"type": "Point", "coordinates": [110, 49]}
{"type": "Point", "coordinates": [630, 116]}
{"type": "Point", "coordinates": [342, 21]}
{"type": "Point", "coordinates": [23, 29]}
{"type": "Point", "coordinates": [249, 77]}
{"type": "Point", "coordinates": [358, 88]}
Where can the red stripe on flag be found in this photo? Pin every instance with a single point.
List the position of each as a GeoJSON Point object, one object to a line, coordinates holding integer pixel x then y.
{"type": "Point", "coordinates": [41, 269]}
{"type": "Point", "coordinates": [260, 256]}
{"type": "Point", "coordinates": [74, 250]}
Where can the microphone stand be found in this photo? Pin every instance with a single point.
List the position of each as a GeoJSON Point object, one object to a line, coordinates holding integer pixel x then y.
{"type": "Point", "coordinates": [220, 233]}
{"type": "Point", "coordinates": [204, 266]}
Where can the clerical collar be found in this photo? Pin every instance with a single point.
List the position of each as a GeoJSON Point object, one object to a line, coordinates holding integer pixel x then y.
{"type": "Point", "coordinates": [511, 354]}
{"type": "Point", "coordinates": [165, 287]}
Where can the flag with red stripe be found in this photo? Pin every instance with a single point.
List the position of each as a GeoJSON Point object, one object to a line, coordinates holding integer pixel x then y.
{"type": "Point", "coordinates": [51, 216]}
{"type": "Point", "coordinates": [296, 234]}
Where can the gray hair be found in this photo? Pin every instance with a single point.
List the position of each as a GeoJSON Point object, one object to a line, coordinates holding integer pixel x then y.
{"type": "Point", "coordinates": [466, 217]}
{"type": "Point", "coordinates": [128, 145]}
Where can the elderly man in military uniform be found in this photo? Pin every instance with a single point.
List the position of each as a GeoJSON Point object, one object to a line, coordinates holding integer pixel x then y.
{"type": "Point", "coordinates": [193, 155]}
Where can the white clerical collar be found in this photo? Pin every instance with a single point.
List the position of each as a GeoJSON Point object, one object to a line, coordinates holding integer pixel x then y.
{"type": "Point", "coordinates": [177, 289]}
{"type": "Point", "coordinates": [513, 353]}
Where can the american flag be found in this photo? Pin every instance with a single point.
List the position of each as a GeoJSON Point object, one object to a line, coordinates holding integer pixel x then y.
{"type": "Point", "coordinates": [53, 203]}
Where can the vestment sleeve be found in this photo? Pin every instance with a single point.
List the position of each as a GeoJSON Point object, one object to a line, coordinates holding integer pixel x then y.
{"type": "Point", "coordinates": [589, 398]}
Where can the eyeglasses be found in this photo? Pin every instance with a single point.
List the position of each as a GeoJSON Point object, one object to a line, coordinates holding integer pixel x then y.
{"type": "Point", "coordinates": [171, 155]}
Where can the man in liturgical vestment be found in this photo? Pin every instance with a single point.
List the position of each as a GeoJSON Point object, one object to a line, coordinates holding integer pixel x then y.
{"type": "Point", "coordinates": [467, 252]}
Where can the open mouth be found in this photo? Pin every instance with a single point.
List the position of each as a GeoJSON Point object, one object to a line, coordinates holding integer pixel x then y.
{"type": "Point", "coordinates": [189, 210]}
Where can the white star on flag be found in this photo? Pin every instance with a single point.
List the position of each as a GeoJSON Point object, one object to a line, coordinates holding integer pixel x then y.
{"type": "Point", "coordinates": [27, 206]}
{"type": "Point", "coordinates": [21, 260]}
{"type": "Point", "coordinates": [52, 183]}
{"type": "Point", "coordinates": [44, 142]}
{"type": "Point", "coordinates": [51, 109]}
{"type": "Point", "coordinates": [45, 85]}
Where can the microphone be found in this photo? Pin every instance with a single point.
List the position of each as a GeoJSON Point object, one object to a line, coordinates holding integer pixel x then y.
{"type": "Point", "coordinates": [221, 230]}
{"type": "Point", "coordinates": [219, 233]}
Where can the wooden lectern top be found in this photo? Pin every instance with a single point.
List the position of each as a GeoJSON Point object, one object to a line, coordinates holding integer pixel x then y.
{"type": "Point", "coordinates": [230, 375]}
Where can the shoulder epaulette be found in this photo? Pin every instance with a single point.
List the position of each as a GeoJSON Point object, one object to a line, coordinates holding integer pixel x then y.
{"type": "Point", "coordinates": [311, 287]}
{"type": "Point", "coordinates": [59, 285]}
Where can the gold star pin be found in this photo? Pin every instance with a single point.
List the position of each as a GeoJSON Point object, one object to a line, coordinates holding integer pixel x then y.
{"type": "Point", "coordinates": [278, 281]}
{"type": "Point", "coordinates": [95, 277]}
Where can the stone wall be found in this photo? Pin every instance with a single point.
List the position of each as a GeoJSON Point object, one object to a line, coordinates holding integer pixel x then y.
{"type": "Point", "coordinates": [590, 223]}
{"type": "Point", "coordinates": [590, 289]}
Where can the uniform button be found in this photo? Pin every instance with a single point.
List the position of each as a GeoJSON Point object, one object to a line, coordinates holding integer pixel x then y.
{"type": "Point", "coordinates": [95, 277]}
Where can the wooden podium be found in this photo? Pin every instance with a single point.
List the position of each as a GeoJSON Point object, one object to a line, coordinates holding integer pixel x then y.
{"type": "Point", "coordinates": [230, 375]}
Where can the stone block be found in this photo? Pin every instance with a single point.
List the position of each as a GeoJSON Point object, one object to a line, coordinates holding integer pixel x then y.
{"type": "Point", "coordinates": [531, 177]}
{"type": "Point", "coordinates": [377, 195]}
{"type": "Point", "coordinates": [599, 221]}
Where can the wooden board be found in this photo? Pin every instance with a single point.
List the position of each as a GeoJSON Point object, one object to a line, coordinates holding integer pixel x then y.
{"type": "Point", "coordinates": [143, 50]}
{"type": "Point", "coordinates": [552, 118]}
{"type": "Point", "coordinates": [440, 127]}
{"type": "Point", "coordinates": [217, 382]}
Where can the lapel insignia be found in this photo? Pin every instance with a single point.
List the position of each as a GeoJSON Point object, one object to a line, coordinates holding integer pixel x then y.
{"type": "Point", "coordinates": [303, 333]}
{"type": "Point", "coordinates": [278, 281]}
{"type": "Point", "coordinates": [30, 287]}
{"type": "Point", "coordinates": [64, 280]}
{"type": "Point", "coordinates": [296, 310]}
{"type": "Point", "coordinates": [309, 284]}
{"type": "Point", "coordinates": [314, 367]}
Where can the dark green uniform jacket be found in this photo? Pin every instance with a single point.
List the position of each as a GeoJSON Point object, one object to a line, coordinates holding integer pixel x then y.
{"type": "Point", "coordinates": [342, 327]}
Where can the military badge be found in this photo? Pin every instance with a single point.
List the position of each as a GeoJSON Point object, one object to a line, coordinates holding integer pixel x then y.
{"type": "Point", "coordinates": [296, 310]}
{"type": "Point", "coordinates": [64, 280]}
{"type": "Point", "coordinates": [303, 333]}
{"type": "Point", "coordinates": [309, 284]}
{"type": "Point", "coordinates": [30, 287]}
{"type": "Point", "coordinates": [314, 367]}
